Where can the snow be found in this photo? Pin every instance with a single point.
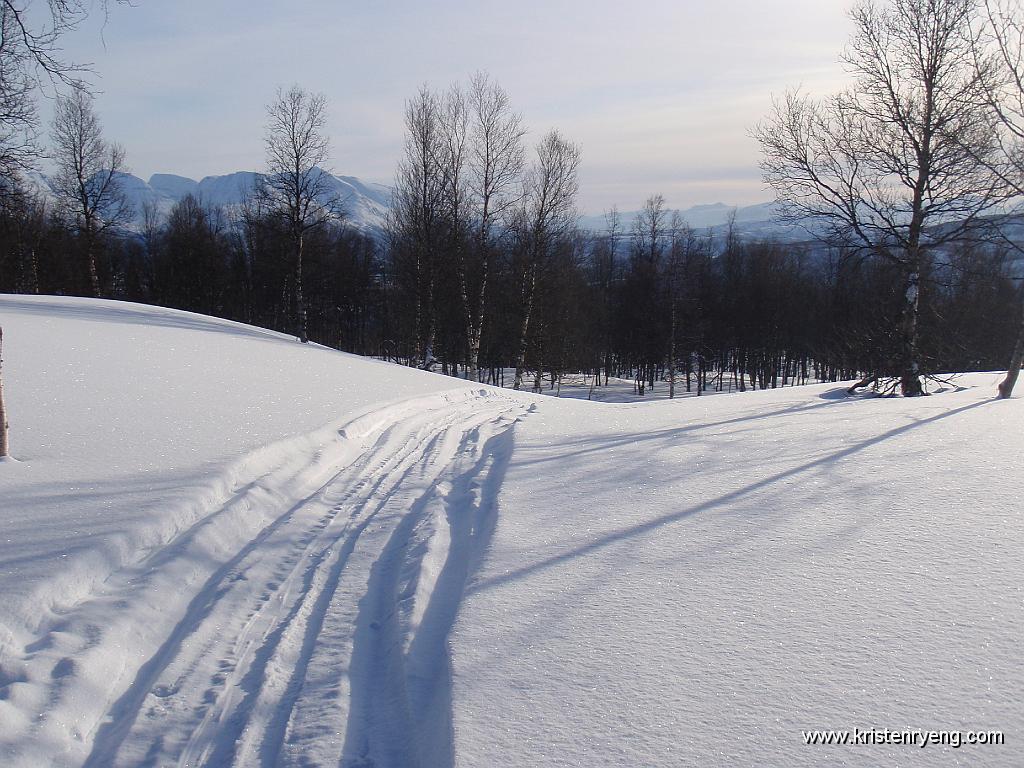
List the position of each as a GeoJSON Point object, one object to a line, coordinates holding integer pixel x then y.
{"type": "Point", "coordinates": [172, 185]}
{"type": "Point", "coordinates": [223, 547]}
{"type": "Point", "coordinates": [695, 582]}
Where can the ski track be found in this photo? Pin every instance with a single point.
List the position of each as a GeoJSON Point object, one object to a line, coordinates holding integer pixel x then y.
{"type": "Point", "coordinates": [323, 640]}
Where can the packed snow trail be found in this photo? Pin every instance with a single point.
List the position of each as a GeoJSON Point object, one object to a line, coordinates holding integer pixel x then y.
{"type": "Point", "coordinates": [277, 668]}
{"type": "Point", "coordinates": [294, 650]}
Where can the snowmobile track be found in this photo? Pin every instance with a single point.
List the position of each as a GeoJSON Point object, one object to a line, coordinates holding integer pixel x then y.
{"type": "Point", "coordinates": [294, 651]}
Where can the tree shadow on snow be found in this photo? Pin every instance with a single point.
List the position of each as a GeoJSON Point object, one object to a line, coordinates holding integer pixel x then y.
{"type": "Point", "coordinates": [634, 531]}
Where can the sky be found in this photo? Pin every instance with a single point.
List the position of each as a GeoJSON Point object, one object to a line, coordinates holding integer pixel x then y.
{"type": "Point", "coordinates": [661, 96]}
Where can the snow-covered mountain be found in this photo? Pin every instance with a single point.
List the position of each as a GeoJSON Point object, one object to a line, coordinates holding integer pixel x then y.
{"type": "Point", "coordinates": [365, 204]}
{"type": "Point", "coordinates": [750, 221]}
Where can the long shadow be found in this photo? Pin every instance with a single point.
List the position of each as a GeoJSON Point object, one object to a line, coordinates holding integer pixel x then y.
{"type": "Point", "coordinates": [124, 712]}
{"type": "Point", "coordinates": [472, 522]}
{"type": "Point", "coordinates": [634, 531]}
{"type": "Point", "coordinates": [670, 433]}
{"type": "Point", "coordinates": [378, 692]}
{"type": "Point", "coordinates": [270, 748]}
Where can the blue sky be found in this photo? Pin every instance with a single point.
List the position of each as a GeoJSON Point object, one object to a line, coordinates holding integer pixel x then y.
{"type": "Point", "coordinates": [661, 96]}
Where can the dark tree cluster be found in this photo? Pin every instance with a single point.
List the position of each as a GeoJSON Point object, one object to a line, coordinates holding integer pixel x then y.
{"type": "Point", "coordinates": [666, 306]}
{"type": "Point", "coordinates": [662, 305]}
{"type": "Point", "coordinates": [238, 265]}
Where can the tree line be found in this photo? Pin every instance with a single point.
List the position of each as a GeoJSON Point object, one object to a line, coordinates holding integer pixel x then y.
{"type": "Point", "coordinates": [482, 272]}
{"type": "Point", "coordinates": [656, 302]}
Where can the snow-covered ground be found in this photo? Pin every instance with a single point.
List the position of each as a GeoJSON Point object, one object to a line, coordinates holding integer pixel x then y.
{"type": "Point", "coordinates": [577, 386]}
{"type": "Point", "coordinates": [697, 582]}
{"type": "Point", "coordinates": [221, 547]}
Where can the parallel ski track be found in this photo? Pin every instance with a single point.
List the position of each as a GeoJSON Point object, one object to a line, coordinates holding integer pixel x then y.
{"type": "Point", "coordinates": [290, 654]}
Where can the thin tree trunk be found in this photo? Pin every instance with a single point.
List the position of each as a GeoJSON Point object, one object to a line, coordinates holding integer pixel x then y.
{"type": "Point", "coordinates": [431, 329]}
{"type": "Point", "coordinates": [672, 355]}
{"type": "Point", "coordinates": [33, 264]}
{"type": "Point", "coordinates": [90, 257]}
{"type": "Point", "coordinates": [909, 364]}
{"type": "Point", "coordinates": [524, 328]}
{"type": "Point", "coordinates": [1016, 359]}
{"type": "Point", "coordinates": [474, 323]}
{"type": "Point", "coordinates": [3, 409]}
{"type": "Point", "coordinates": [300, 301]}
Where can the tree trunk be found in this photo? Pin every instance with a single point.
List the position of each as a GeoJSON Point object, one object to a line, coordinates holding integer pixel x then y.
{"type": "Point", "coordinates": [909, 362]}
{"type": "Point", "coordinates": [90, 257]}
{"type": "Point", "coordinates": [672, 355]}
{"type": "Point", "coordinates": [33, 263]}
{"type": "Point", "coordinates": [3, 410]}
{"type": "Point", "coordinates": [475, 324]}
{"type": "Point", "coordinates": [300, 301]}
{"type": "Point", "coordinates": [474, 355]}
{"type": "Point", "coordinates": [524, 328]}
{"type": "Point", "coordinates": [1016, 359]}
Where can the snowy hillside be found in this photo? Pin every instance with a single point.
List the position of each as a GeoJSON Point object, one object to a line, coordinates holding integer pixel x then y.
{"type": "Point", "coordinates": [364, 204]}
{"type": "Point", "coordinates": [225, 548]}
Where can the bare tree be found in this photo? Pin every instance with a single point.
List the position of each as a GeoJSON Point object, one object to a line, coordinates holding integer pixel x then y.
{"type": "Point", "coordinates": [547, 213]}
{"type": "Point", "coordinates": [604, 274]}
{"type": "Point", "coordinates": [649, 242]}
{"type": "Point", "coordinates": [1016, 360]}
{"type": "Point", "coordinates": [908, 147]}
{"type": "Point", "coordinates": [35, 35]}
{"type": "Point", "coordinates": [419, 213]}
{"type": "Point", "coordinates": [681, 242]}
{"type": "Point", "coordinates": [30, 57]}
{"type": "Point", "coordinates": [88, 175]}
{"type": "Point", "coordinates": [453, 167]}
{"type": "Point", "coordinates": [496, 163]}
{"type": "Point", "coordinates": [18, 140]}
{"type": "Point", "coordinates": [1002, 33]}
{"type": "Point", "coordinates": [297, 184]}
{"type": "Point", "coordinates": [459, 179]}
{"type": "Point", "coordinates": [4, 448]}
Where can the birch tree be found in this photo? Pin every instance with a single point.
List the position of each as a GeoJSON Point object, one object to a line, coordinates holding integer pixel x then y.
{"type": "Point", "coordinates": [496, 161]}
{"type": "Point", "coordinates": [908, 147]}
{"type": "Point", "coordinates": [31, 58]}
{"type": "Point", "coordinates": [418, 213]}
{"type": "Point", "coordinates": [296, 188]}
{"type": "Point", "coordinates": [4, 448]}
{"type": "Point", "coordinates": [1002, 73]}
{"type": "Point", "coordinates": [547, 213]}
{"type": "Point", "coordinates": [88, 175]}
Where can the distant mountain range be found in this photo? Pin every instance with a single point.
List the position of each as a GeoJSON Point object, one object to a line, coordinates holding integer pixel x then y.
{"type": "Point", "coordinates": [365, 204]}
{"type": "Point", "coordinates": [751, 221]}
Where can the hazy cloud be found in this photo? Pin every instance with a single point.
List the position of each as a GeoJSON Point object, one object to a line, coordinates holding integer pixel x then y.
{"type": "Point", "coordinates": [662, 97]}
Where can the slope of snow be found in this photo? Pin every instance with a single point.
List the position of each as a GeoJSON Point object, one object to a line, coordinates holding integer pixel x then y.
{"type": "Point", "coordinates": [229, 189]}
{"type": "Point", "coordinates": [175, 187]}
{"type": "Point", "coordinates": [225, 548]}
{"type": "Point", "coordinates": [153, 446]}
{"type": "Point", "coordinates": [696, 582]}
{"type": "Point", "coordinates": [113, 402]}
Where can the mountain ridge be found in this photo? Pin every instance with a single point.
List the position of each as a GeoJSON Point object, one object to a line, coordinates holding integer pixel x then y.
{"type": "Point", "coordinates": [366, 204]}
